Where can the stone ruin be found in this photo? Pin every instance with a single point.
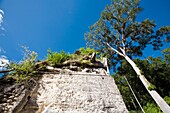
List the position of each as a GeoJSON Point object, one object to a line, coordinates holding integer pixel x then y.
{"type": "Point", "coordinates": [68, 89]}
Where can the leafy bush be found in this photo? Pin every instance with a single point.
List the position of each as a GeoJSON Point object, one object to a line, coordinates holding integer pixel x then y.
{"type": "Point", "coordinates": [152, 108]}
{"type": "Point", "coordinates": [26, 67]}
{"type": "Point", "coordinates": [55, 58]}
{"type": "Point", "coordinates": [86, 51]}
{"type": "Point", "coordinates": [81, 52]}
{"type": "Point", "coordinates": [133, 111]}
{"type": "Point", "coordinates": [167, 99]}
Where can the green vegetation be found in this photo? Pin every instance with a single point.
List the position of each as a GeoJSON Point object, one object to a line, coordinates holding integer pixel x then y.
{"type": "Point", "coordinates": [29, 67]}
{"type": "Point", "coordinates": [117, 32]}
{"type": "Point", "coordinates": [26, 67]}
{"type": "Point", "coordinates": [152, 108]}
{"type": "Point", "coordinates": [158, 74]}
{"type": "Point", "coordinates": [151, 87]}
{"type": "Point", "coordinates": [167, 99]}
{"type": "Point", "coordinates": [82, 53]}
{"type": "Point", "coordinates": [120, 35]}
{"type": "Point", "coordinates": [87, 51]}
{"type": "Point", "coordinates": [55, 58]}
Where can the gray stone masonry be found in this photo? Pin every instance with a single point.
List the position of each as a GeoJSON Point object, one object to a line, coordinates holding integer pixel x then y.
{"type": "Point", "coordinates": [76, 93]}
{"type": "Point", "coordinates": [68, 89]}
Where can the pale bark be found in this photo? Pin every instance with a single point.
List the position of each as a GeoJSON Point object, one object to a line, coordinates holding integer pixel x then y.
{"type": "Point", "coordinates": [157, 98]}
{"type": "Point", "coordinates": [115, 50]}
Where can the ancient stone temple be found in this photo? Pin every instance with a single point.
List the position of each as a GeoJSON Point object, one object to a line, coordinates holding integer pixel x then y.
{"type": "Point", "coordinates": [70, 89]}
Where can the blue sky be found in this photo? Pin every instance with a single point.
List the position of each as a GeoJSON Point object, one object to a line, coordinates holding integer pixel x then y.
{"type": "Point", "coordinates": [60, 24]}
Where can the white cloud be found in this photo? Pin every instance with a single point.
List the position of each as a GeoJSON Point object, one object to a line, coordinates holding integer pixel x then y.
{"type": "Point", "coordinates": [4, 62]}
{"type": "Point", "coordinates": [1, 16]}
{"type": "Point", "coordinates": [2, 51]}
{"type": "Point", "coordinates": [1, 20]}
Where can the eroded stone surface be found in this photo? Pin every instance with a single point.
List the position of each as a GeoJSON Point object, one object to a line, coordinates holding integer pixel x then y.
{"type": "Point", "coordinates": [13, 97]}
{"type": "Point", "coordinates": [59, 93]}
{"type": "Point", "coordinates": [70, 90]}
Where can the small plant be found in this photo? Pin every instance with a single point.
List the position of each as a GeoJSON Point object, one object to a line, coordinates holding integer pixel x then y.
{"type": "Point", "coordinates": [152, 108]}
{"type": "Point", "coordinates": [86, 51]}
{"type": "Point", "coordinates": [151, 87]}
{"type": "Point", "coordinates": [26, 67]}
{"type": "Point", "coordinates": [55, 58]}
{"type": "Point", "coordinates": [167, 99]}
{"type": "Point", "coordinates": [85, 62]}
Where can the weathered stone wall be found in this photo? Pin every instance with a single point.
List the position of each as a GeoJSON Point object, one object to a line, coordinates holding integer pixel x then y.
{"type": "Point", "coordinates": [64, 90]}
{"type": "Point", "coordinates": [76, 93]}
{"type": "Point", "coordinates": [13, 97]}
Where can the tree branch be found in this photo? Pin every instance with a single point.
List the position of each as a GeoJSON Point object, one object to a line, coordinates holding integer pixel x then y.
{"type": "Point", "coordinates": [123, 51]}
{"type": "Point", "coordinates": [114, 50]}
{"type": "Point", "coordinates": [5, 71]}
{"type": "Point", "coordinates": [123, 39]}
{"type": "Point", "coordinates": [123, 35]}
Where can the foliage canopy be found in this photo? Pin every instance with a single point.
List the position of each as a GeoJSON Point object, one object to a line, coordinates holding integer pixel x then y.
{"type": "Point", "coordinates": [158, 73]}
{"type": "Point", "coordinates": [118, 28]}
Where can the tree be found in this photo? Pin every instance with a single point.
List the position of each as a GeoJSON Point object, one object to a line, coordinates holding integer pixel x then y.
{"type": "Point", "coordinates": [158, 73]}
{"type": "Point", "coordinates": [119, 35]}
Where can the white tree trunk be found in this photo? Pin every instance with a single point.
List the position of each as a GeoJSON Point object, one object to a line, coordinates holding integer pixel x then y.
{"type": "Point", "coordinates": [157, 98]}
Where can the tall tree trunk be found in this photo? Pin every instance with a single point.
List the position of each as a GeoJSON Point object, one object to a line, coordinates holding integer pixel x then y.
{"type": "Point", "coordinates": [157, 98]}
